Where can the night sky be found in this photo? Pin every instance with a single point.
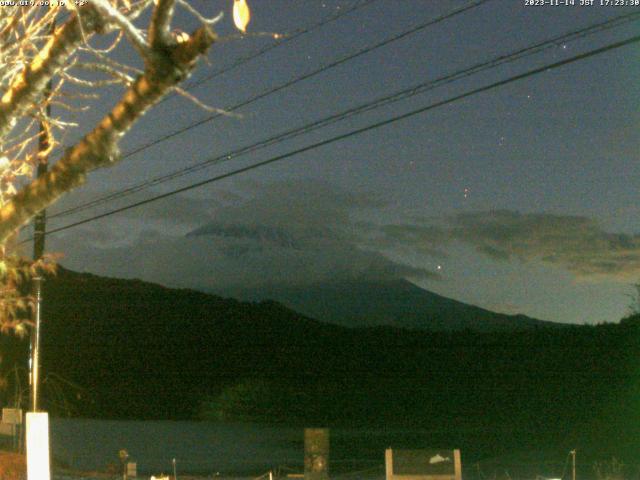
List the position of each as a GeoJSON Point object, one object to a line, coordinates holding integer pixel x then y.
{"type": "Point", "coordinates": [522, 199]}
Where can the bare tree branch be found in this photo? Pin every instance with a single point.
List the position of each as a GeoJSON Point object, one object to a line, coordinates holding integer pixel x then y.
{"type": "Point", "coordinates": [160, 27]}
{"type": "Point", "coordinates": [37, 64]}
{"type": "Point", "coordinates": [113, 15]}
{"type": "Point", "coordinates": [27, 88]}
{"type": "Point", "coordinates": [99, 148]}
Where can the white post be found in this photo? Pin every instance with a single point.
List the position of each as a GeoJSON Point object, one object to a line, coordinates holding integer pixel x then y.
{"type": "Point", "coordinates": [38, 446]}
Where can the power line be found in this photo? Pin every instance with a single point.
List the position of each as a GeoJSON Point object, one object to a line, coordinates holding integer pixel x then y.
{"type": "Point", "coordinates": [381, 101]}
{"type": "Point", "coordinates": [324, 68]}
{"type": "Point", "coordinates": [340, 61]}
{"type": "Point", "coordinates": [247, 58]}
{"type": "Point", "coordinates": [286, 39]}
{"type": "Point", "coordinates": [358, 131]}
{"type": "Point", "coordinates": [313, 73]}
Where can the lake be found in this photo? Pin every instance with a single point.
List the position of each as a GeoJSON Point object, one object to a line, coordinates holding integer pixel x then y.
{"type": "Point", "coordinates": [250, 450]}
{"type": "Point", "coordinates": [201, 447]}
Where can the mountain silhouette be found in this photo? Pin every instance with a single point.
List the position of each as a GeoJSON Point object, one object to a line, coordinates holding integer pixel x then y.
{"type": "Point", "coordinates": [398, 303]}
{"type": "Point", "coordinates": [363, 297]}
{"type": "Point", "coordinates": [114, 348]}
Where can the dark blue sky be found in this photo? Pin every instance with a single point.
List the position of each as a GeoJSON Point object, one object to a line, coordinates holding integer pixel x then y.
{"type": "Point", "coordinates": [521, 199]}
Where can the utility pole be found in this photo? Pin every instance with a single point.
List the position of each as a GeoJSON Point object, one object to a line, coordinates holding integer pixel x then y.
{"type": "Point", "coordinates": [39, 226]}
{"type": "Point", "coordinates": [39, 229]}
{"type": "Point", "coordinates": [573, 463]}
{"type": "Point", "coordinates": [37, 424]}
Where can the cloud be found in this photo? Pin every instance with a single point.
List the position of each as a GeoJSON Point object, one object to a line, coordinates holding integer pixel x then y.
{"type": "Point", "coordinates": [297, 205]}
{"type": "Point", "coordinates": [288, 234]}
{"type": "Point", "coordinates": [173, 216]}
{"type": "Point", "coordinates": [305, 232]}
{"type": "Point", "coordinates": [575, 243]}
{"type": "Point", "coordinates": [216, 262]}
{"type": "Point", "coordinates": [420, 238]}
{"type": "Point", "coordinates": [178, 209]}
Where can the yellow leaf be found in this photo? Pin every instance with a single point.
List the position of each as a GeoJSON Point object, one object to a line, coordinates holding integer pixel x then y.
{"type": "Point", "coordinates": [241, 14]}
